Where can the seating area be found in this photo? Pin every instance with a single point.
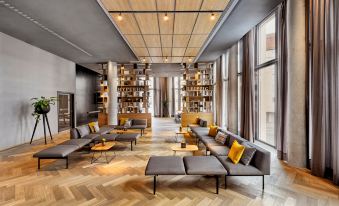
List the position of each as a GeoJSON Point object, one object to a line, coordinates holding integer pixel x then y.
{"type": "Point", "coordinates": [169, 102]}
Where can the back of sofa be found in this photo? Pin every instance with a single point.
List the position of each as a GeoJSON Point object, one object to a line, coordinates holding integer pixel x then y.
{"type": "Point", "coordinates": [80, 131]}
{"type": "Point", "coordinates": [262, 157]}
{"type": "Point", "coordinates": [139, 122]}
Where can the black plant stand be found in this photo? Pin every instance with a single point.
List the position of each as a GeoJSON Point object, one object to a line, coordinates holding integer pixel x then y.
{"type": "Point", "coordinates": [44, 119]}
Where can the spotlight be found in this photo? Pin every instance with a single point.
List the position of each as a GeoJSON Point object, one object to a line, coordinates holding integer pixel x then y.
{"type": "Point", "coordinates": [120, 17]}
{"type": "Point", "coordinates": [212, 16]}
{"type": "Point", "coordinates": [190, 59]}
{"type": "Point", "coordinates": [166, 17]}
{"type": "Point", "coordinates": [166, 59]}
{"type": "Point", "coordinates": [143, 59]}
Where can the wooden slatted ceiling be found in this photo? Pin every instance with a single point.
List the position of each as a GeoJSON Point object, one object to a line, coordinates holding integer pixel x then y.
{"type": "Point", "coordinates": [153, 39]}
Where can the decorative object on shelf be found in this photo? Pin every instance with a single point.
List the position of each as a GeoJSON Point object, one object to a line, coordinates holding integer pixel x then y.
{"type": "Point", "coordinates": [42, 106]}
{"type": "Point", "coordinates": [180, 128]}
{"type": "Point", "coordinates": [103, 141]}
{"type": "Point", "coordinates": [183, 143]}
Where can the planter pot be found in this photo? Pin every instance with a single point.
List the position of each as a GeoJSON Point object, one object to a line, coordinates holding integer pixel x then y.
{"type": "Point", "coordinates": [183, 145]}
{"type": "Point", "coordinates": [43, 110]}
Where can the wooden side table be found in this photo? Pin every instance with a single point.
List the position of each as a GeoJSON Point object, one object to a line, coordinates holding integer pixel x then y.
{"type": "Point", "coordinates": [188, 148]}
{"type": "Point", "coordinates": [102, 149]}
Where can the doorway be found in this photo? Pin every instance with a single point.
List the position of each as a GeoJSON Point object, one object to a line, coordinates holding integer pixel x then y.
{"type": "Point", "coordinates": [65, 111]}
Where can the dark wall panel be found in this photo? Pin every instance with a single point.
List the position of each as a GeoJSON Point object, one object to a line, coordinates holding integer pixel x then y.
{"type": "Point", "coordinates": [87, 84]}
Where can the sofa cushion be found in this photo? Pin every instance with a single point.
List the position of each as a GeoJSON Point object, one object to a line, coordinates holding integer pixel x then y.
{"type": "Point", "coordinates": [122, 121]}
{"type": "Point", "coordinates": [236, 152]}
{"type": "Point", "coordinates": [105, 130]}
{"type": "Point", "coordinates": [248, 154]}
{"type": "Point", "coordinates": [221, 138]}
{"type": "Point", "coordinates": [58, 151]}
{"type": "Point", "coordinates": [203, 123]}
{"type": "Point", "coordinates": [200, 130]}
{"type": "Point", "coordinates": [74, 133]}
{"type": "Point", "coordinates": [213, 131]}
{"type": "Point", "coordinates": [208, 142]}
{"type": "Point", "coordinates": [108, 137]}
{"type": "Point", "coordinates": [83, 130]}
{"type": "Point", "coordinates": [238, 169]}
{"type": "Point", "coordinates": [203, 165]}
{"type": "Point", "coordinates": [128, 124]}
{"type": "Point", "coordinates": [94, 127]}
{"type": "Point", "coordinates": [139, 122]}
{"type": "Point", "coordinates": [165, 165]}
{"type": "Point", "coordinates": [78, 142]}
{"type": "Point", "coordinates": [91, 136]}
{"type": "Point", "coordinates": [218, 150]}
{"type": "Point", "coordinates": [127, 137]}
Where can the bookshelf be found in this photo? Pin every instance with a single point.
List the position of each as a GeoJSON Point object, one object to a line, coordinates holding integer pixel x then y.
{"type": "Point", "coordinates": [133, 88]}
{"type": "Point", "coordinates": [198, 88]}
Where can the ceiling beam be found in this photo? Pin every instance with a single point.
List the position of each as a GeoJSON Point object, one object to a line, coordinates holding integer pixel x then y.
{"type": "Point", "coordinates": [185, 11]}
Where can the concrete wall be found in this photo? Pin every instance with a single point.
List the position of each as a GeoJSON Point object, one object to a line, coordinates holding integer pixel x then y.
{"type": "Point", "coordinates": [25, 72]}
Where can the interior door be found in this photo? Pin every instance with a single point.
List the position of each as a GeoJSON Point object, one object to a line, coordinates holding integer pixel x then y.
{"type": "Point", "coordinates": [65, 111]}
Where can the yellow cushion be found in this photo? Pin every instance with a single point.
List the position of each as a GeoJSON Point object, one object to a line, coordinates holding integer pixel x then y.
{"type": "Point", "coordinates": [123, 121]}
{"type": "Point", "coordinates": [91, 126]}
{"type": "Point", "coordinates": [236, 152]}
{"type": "Point", "coordinates": [213, 131]}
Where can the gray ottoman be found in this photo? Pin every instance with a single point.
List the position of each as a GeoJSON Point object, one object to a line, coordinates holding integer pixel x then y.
{"type": "Point", "coordinates": [132, 137]}
{"type": "Point", "coordinates": [204, 165]}
{"type": "Point", "coordinates": [164, 165]}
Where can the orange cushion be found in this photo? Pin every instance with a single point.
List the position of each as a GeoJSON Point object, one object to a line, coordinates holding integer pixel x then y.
{"type": "Point", "coordinates": [236, 152]}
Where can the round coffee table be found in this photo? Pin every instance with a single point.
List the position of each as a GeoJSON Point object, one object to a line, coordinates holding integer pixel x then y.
{"type": "Point", "coordinates": [188, 148]}
{"type": "Point", "coordinates": [102, 149]}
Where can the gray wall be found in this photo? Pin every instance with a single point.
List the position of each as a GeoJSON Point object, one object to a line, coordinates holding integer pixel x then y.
{"type": "Point", "coordinates": [25, 72]}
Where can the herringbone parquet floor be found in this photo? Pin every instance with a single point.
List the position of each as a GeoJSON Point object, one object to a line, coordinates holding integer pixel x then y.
{"type": "Point", "coordinates": [122, 182]}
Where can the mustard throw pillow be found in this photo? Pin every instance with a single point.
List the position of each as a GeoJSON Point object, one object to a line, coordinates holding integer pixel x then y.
{"type": "Point", "coordinates": [123, 121]}
{"type": "Point", "coordinates": [92, 126]}
{"type": "Point", "coordinates": [213, 131]}
{"type": "Point", "coordinates": [236, 152]}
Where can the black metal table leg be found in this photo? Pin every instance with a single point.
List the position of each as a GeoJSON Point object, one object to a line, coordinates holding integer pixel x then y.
{"type": "Point", "coordinates": [154, 184]}
{"type": "Point", "coordinates": [217, 184]}
{"type": "Point", "coordinates": [263, 182]}
{"type": "Point", "coordinates": [131, 145]}
{"type": "Point", "coordinates": [38, 163]}
{"type": "Point", "coordinates": [43, 120]}
{"type": "Point", "coordinates": [67, 162]}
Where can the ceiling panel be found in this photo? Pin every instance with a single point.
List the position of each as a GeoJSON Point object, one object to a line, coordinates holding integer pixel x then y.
{"type": "Point", "coordinates": [148, 23]}
{"type": "Point", "coordinates": [180, 40]}
{"type": "Point", "coordinates": [128, 25]}
{"type": "Point", "coordinates": [143, 5]}
{"type": "Point", "coordinates": [178, 51]}
{"type": "Point", "coordinates": [204, 23]}
{"type": "Point", "coordinates": [166, 40]}
{"type": "Point", "coordinates": [176, 59]}
{"type": "Point", "coordinates": [141, 52]}
{"type": "Point", "coordinates": [152, 40]}
{"type": "Point", "coordinates": [116, 5]}
{"type": "Point", "coordinates": [165, 5]}
{"type": "Point", "coordinates": [135, 40]}
{"type": "Point", "coordinates": [155, 51]}
{"type": "Point", "coordinates": [166, 27]}
{"type": "Point", "coordinates": [157, 59]}
{"type": "Point", "coordinates": [191, 51]}
{"type": "Point", "coordinates": [184, 23]}
{"type": "Point", "coordinates": [214, 5]}
{"type": "Point", "coordinates": [197, 40]}
{"type": "Point", "coordinates": [157, 34]}
{"type": "Point", "coordinates": [188, 5]}
{"type": "Point", "coordinates": [167, 51]}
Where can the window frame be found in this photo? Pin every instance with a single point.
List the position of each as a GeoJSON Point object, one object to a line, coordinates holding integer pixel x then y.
{"type": "Point", "coordinates": [266, 64]}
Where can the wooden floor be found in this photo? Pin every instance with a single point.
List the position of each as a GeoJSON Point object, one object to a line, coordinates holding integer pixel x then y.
{"type": "Point", "coordinates": [122, 182]}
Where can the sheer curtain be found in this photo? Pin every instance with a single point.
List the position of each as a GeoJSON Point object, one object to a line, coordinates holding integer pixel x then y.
{"type": "Point", "coordinates": [247, 89]}
{"type": "Point", "coordinates": [324, 81]}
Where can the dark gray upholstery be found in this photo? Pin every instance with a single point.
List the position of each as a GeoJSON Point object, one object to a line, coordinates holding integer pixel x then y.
{"type": "Point", "coordinates": [210, 142]}
{"type": "Point", "coordinates": [91, 136]}
{"type": "Point", "coordinates": [105, 130]}
{"type": "Point", "coordinates": [58, 151]}
{"type": "Point", "coordinates": [165, 165]}
{"type": "Point", "coordinates": [78, 142]}
{"type": "Point", "coordinates": [138, 127]}
{"type": "Point", "coordinates": [83, 130]}
{"type": "Point", "coordinates": [108, 137]}
{"type": "Point", "coordinates": [248, 154]}
{"type": "Point", "coordinates": [203, 165]}
{"type": "Point", "coordinates": [219, 150]}
{"type": "Point", "coordinates": [74, 134]}
{"type": "Point", "coordinates": [127, 137]}
{"type": "Point", "coordinates": [238, 169]}
{"type": "Point", "coordinates": [139, 122]}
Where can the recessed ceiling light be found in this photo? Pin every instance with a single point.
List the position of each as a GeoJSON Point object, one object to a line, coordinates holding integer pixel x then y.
{"type": "Point", "coordinates": [166, 59]}
{"type": "Point", "coordinates": [166, 17]}
{"type": "Point", "coordinates": [190, 59]}
{"type": "Point", "coordinates": [120, 17]}
{"type": "Point", "coordinates": [212, 16]}
{"type": "Point", "coordinates": [143, 59]}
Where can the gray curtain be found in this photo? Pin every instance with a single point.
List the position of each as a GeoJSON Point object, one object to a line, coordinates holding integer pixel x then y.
{"type": "Point", "coordinates": [282, 84]}
{"type": "Point", "coordinates": [218, 90]}
{"type": "Point", "coordinates": [324, 80]}
{"type": "Point", "coordinates": [247, 88]}
{"type": "Point", "coordinates": [232, 93]}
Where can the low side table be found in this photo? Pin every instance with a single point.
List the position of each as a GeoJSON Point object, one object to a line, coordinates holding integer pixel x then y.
{"type": "Point", "coordinates": [188, 148]}
{"type": "Point", "coordinates": [102, 149]}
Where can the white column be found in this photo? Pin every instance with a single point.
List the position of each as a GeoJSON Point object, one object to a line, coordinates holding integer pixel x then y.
{"type": "Point", "coordinates": [112, 80]}
{"type": "Point", "coordinates": [296, 118]}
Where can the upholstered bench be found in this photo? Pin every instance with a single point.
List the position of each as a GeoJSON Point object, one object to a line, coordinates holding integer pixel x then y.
{"type": "Point", "coordinates": [190, 165]}
{"type": "Point", "coordinates": [132, 137]}
{"type": "Point", "coordinates": [61, 151]}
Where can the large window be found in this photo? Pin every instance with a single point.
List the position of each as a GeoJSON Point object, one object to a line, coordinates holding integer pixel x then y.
{"type": "Point", "coordinates": [266, 66]}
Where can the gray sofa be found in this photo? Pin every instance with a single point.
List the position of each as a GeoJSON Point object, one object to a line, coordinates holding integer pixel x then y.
{"type": "Point", "coordinates": [260, 164]}
{"type": "Point", "coordinates": [134, 124]}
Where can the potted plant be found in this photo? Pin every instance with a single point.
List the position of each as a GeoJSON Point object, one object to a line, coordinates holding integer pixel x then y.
{"type": "Point", "coordinates": [42, 105]}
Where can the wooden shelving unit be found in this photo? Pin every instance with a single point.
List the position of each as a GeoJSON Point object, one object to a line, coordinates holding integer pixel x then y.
{"type": "Point", "coordinates": [197, 91]}
{"type": "Point", "coordinates": [133, 88]}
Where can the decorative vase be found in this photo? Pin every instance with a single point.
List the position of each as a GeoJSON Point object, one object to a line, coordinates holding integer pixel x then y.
{"type": "Point", "coordinates": [183, 144]}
